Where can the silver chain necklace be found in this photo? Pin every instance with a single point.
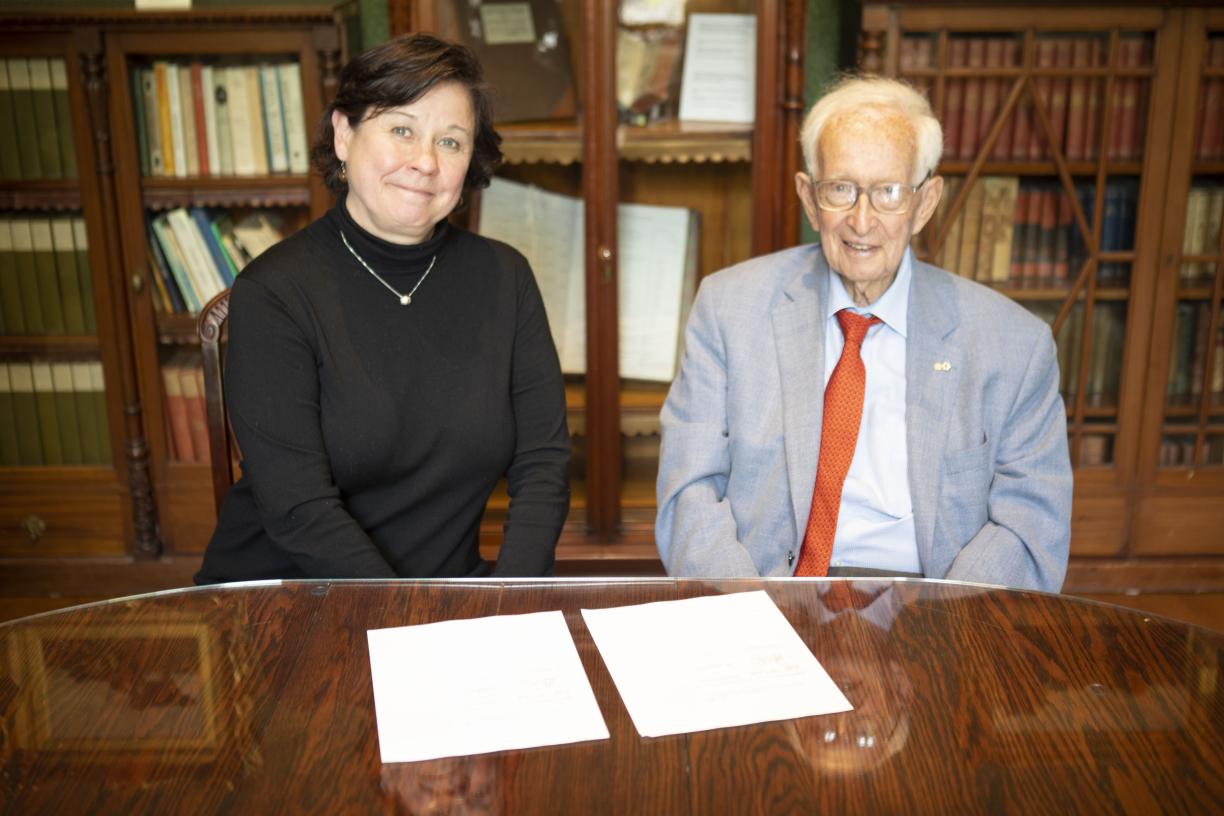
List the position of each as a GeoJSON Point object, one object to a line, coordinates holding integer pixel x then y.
{"type": "Point", "coordinates": [403, 299]}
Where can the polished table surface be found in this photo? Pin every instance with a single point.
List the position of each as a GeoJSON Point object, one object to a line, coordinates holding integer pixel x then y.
{"type": "Point", "coordinates": [257, 699]}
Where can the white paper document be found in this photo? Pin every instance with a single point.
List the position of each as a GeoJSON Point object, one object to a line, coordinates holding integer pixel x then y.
{"type": "Point", "coordinates": [718, 83]}
{"type": "Point", "coordinates": [473, 686]}
{"type": "Point", "coordinates": [711, 662]}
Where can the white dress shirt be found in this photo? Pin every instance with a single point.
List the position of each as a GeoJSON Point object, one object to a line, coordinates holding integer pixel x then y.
{"type": "Point", "coordinates": [875, 527]}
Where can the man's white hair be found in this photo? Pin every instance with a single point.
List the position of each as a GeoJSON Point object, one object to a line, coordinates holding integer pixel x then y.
{"type": "Point", "coordinates": [875, 97]}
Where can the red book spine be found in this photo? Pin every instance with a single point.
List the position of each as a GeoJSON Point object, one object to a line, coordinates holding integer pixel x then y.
{"type": "Point", "coordinates": [1032, 238]}
{"type": "Point", "coordinates": [971, 113]}
{"type": "Point", "coordinates": [197, 102]}
{"type": "Point", "coordinates": [1044, 85]}
{"type": "Point", "coordinates": [1077, 107]}
{"type": "Point", "coordinates": [1010, 58]}
{"type": "Point", "coordinates": [954, 94]}
{"type": "Point", "coordinates": [1060, 90]}
{"type": "Point", "coordinates": [1092, 105]}
{"type": "Point", "coordinates": [1211, 111]}
{"type": "Point", "coordinates": [991, 89]}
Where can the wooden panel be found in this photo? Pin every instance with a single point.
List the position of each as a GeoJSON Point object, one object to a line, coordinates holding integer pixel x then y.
{"type": "Point", "coordinates": [36, 499]}
{"type": "Point", "coordinates": [1098, 525]}
{"type": "Point", "coordinates": [185, 507]}
{"type": "Point", "coordinates": [1179, 525]}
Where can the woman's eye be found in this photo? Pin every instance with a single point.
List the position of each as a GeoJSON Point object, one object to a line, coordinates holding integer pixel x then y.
{"type": "Point", "coordinates": [450, 143]}
{"type": "Point", "coordinates": [401, 131]}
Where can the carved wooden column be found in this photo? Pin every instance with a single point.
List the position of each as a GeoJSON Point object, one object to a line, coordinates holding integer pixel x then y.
{"type": "Point", "coordinates": [136, 448]}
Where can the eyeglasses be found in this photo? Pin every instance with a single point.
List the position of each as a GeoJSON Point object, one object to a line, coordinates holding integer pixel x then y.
{"type": "Point", "coordinates": [888, 198]}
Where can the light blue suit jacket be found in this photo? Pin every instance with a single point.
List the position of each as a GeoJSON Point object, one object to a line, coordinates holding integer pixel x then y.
{"type": "Point", "coordinates": [989, 473]}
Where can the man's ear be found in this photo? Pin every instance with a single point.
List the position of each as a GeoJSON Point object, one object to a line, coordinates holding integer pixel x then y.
{"type": "Point", "coordinates": [803, 186]}
{"type": "Point", "coordinates": [929, 197]}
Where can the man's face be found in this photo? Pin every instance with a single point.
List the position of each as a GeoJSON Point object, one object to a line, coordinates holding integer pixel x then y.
{"type": "Point", "coordinates": [864, 246]}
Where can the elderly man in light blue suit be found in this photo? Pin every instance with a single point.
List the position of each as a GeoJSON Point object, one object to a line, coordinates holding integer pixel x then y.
{"type": "Point", "coordinates": [960, 467]}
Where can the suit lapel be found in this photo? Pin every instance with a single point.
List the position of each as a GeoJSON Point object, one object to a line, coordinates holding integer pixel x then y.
{"type": "Point", "coordinates": [933, 369]}
{"type": "Point", "coordinates": [798, 327]}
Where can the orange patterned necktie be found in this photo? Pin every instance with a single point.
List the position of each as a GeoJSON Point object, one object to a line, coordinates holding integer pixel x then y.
{"type": "Point", "coordinates": [843, 409]}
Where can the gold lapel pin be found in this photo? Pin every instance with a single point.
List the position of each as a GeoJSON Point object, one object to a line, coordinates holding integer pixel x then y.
{"type": "Point", "coordinates": [943, 366]}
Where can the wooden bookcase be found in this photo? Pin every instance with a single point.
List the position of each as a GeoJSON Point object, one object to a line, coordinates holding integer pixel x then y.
{"type": "Point", "coordinates": [1071, 155]}
{"type": "Point", "coordinates": [737, 177]}
{"type": "Point", "coordinates": [138, 515]}
{"type": "Point", "coordinates": [35, 518]}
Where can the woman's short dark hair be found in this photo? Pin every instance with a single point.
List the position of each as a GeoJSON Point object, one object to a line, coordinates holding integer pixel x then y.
{"type": "Point", "coordinates": [399, 72]}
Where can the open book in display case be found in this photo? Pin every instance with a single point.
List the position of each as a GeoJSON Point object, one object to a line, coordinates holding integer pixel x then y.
{"type": "Point", "coordinates": [1082, 163]}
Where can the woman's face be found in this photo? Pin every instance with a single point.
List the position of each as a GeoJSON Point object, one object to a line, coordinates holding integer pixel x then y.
{"type": "Point", "coordinates": [406, 165]}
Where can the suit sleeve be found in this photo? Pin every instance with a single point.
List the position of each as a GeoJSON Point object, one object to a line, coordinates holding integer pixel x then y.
{"type": "Point", "coordinates": [695, 530]}
{"type": "Point", "coordinates": [1028, 533]}
{"type": "Point", "coordinates": [272, 390]}
{"type": "Point", "coordinates": [537, 479]}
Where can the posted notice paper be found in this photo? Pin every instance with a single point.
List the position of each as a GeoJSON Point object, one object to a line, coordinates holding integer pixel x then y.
{"type": "Point", "coordinates": [712, 662]}
{"type": "Point", "coordinates": [464, 687]}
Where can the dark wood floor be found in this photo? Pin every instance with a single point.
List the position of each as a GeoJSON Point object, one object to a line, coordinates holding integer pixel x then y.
{"type": "Point", "coordinates": [1203, 608]}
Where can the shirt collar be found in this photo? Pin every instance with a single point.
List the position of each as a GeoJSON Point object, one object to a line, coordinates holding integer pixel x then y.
{"type": "Point", "coordinates": [891, 307]}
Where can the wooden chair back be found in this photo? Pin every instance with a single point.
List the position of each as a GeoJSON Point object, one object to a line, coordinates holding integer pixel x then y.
{"type": "Point", "coordinates": [211, 327]}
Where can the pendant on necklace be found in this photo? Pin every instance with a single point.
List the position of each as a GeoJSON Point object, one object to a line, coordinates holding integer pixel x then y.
{"type": "Point", "coordinates": [405, 300]}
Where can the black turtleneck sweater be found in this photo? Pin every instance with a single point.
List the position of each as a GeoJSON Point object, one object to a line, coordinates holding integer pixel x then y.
{"type": "Point", "coordinates": [373, 433]}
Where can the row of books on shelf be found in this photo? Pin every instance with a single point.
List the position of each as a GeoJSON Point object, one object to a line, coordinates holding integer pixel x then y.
{"type": "Point", "coordinates": [1095, 449]}
{"type": "Point", "coordinates": [35, 120]}
{"type": "Point", "coordinates": [1209, 141]}
{"type": "Point", "coordinates": [1075, 104]}
{"type": "Point", "coordinates": [186, 416]}
{"type": "Point", "coordinates": [199, 119]}
{"type": "Point", "coordinates": [194, 253]}
{"type": "Point", "coordinates": [1204, 214]}
{"type": "Point", "coordinates": [1023, 234]}
{"type": "Point", "coordinates": [1179, 451]}
{"type": "Point", "coordinates": [53, 413]}
{"type": "Point", "coordinates": [45, 281]}
{"type": "Point", "coordinates": [1102, 370]}
{"type": "Point", "coordinates": [1188, 374]}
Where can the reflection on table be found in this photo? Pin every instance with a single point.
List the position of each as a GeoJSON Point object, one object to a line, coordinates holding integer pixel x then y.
{"type": "Point", "coordinates": [257, 698]}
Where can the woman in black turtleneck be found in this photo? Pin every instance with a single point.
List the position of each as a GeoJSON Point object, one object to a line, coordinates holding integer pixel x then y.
{"type": "Point", "coordinates": [384, 368]}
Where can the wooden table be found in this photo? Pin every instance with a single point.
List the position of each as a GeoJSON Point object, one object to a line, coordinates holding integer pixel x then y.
{"type": "Point", "coordinates": [257, 699]}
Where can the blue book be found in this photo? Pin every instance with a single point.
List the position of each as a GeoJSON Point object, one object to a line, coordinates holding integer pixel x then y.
{"type": "Point", "coordinates": [174, 259]}
{"type": "Point", "coordinates": [162, 270]}
{"type": "Point", "coordinates": [203, 223]}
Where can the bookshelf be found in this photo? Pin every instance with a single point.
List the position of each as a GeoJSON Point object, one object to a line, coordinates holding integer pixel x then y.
{"type": "Point", "coordinates": [144, 500]}
{"type": "Point", "coordinates": [271, 72]}
{"type": "Point", "coordinates": [1079, 151]}
{"type": "Point", "coordinates": [736, 177]}
{"type": "Point", "coordinates": [63, 384]}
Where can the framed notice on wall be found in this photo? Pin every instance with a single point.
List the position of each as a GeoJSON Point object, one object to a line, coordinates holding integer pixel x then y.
{"type": "Point", "coordinates": [719, 76]}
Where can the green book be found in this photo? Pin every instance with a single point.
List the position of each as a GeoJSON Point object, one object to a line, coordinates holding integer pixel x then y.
{"type": "Point", "coordinates": [44, 119]}
{"type": "Point", "coordinates": [97, 397]}
{"type": "Point", "coordinates": [9, 454]}
{"type": "Point", "coordinates": [23, 116]}
{"type": "Point", "coordinates": [27, 276]}
{"type": "Point", "coordinates": [10, 289]}
{"type": "Point", "coordinates": [48, 276]}
{"type": "Point", "coordinates": [66, 413]}
{"type": "Point", "coordinates": [63, 118]}
{"type": "Point", "coordinates": [25, 412]}
{"type": "Point", "coordinates": [80, 242]}
{"type": "Point", "coordinates": [48, 416]}
{"type": "Point", "coordinates": [138, 111]}
{"type": "Point", "coordinates": [10, 161]}
{"type": "Point", "coordinates": [87, 416]}
{"type": "Point", "coordinates": [69, 280]}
